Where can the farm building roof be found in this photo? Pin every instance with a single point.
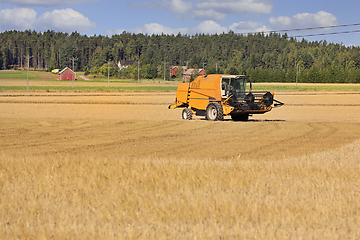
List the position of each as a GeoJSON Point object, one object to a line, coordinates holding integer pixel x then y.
{"type": "Point", "coordinates": [65, 69]}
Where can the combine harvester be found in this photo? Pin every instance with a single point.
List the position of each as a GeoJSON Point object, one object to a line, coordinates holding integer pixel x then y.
{"type": "Point", "coordinates": [215, 96]}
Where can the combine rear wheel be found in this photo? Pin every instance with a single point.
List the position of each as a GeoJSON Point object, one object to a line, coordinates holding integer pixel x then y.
{"type": "Point", "coordinates": [214, 112]}
{"type": "Point", "coordinates": [187, 114]}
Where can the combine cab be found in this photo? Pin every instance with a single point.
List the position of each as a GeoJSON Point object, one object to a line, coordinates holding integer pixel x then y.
{"type": "Point", "coordinates": [216, 96]}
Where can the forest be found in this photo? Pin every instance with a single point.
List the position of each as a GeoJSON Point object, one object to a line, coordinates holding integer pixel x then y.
{"type": "Point", "coordinates": [270, 57]}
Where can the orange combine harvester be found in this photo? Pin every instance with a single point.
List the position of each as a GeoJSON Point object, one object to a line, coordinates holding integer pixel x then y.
{"type": "Point", "coordinates": [215, 96]}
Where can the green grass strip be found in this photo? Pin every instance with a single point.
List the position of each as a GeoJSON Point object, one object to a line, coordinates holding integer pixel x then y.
{"type": "Point", "coordinates": [307, 88]}
{"type": "Point", "coordinates": [16, 75]}
{"type": "Point", "coordinates": [90, 89]}
{"type": "Point", "coordinates": [168, 88]}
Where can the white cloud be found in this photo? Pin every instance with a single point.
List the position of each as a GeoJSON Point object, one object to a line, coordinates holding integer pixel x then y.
{"type": "Point", "coordinates": [45, 2]}
{"type": "Point", "coordinates": [304, 20]}
{"type": "Point", "coordinates": [115, 31]}
{"type": "Point", "coordinates": [64, 20]}
{"type": "Point", "coordinates": [155, 28]}
{"type": "Point", "coordinates": [236, 6]}
{"type": "Point", "coordinates": [211, 27]}
{"type": "Point", "coordinates": [246, 27]}
{"type": "Point", "coordinates": [17, 18]}
{"type": "Point", "coordinates": [207, 27]}
{"type": "Point", "coordinates": [208, 14]}
{"type": "Point", "coordinates": [209, 9]}
{"type": "Point", "coordinates": [178, 7]}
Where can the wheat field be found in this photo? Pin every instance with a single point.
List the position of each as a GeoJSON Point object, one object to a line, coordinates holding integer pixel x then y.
{"type": "Point", "coordinates": [105, 170]}
{"type": "Point", "coordinates": [85, 197]}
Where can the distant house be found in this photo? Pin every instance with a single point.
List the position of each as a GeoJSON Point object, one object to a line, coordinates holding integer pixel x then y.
{"type": "Point", "coordinates": [125, 63]}
{"type": "Point", "coordinates": [187, 74]}
{"type": "Point", "coordinates": [173, 70]}
{"type": "Point", "coordinates": [67, 74]}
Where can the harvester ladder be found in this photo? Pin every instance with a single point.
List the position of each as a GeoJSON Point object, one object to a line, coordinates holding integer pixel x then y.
{"type": "Point", "coordinates": [188, 94]}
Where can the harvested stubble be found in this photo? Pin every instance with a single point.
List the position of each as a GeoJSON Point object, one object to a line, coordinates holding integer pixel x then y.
{"type": "Point", "coordinates": [92, 197]}
{"type": "Point", "coordinates": [117, 171]}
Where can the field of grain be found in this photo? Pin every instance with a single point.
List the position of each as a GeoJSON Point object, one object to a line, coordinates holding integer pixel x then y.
{"type": "Point", "coordinates": [124, 166]}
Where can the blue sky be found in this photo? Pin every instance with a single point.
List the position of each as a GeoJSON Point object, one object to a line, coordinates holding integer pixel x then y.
{"type": "Point", "coordinates": [108, 17]}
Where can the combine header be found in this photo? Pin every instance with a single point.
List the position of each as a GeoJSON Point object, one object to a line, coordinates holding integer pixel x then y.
{"type": "Point", "coordinates": [216, 96]}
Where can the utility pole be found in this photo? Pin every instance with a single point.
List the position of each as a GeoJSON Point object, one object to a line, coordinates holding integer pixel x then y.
{"type": "Point", "coordinates": [73, 60]}
{"type": "Point", "coordinates": [138, 72]}
{"type": "Point", "coordinates": [21, 58]}
{"type": "Point", "coordinates": [108, 62]}
{"type": "Point", "coordinates": [297, 73]}
{"type": "Point", "coordinates": [138, 66]}
{"type": "Point", "coordinates": [187, 62]}
{"type": "Point", "coordinates": [27, 75]}
{"type": "Point", "coordinates": [164, 70]}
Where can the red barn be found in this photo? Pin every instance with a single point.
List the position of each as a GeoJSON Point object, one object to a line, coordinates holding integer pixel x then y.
{"type": "Point", "coordinates": [198, 72]}
{"type": "Point", "coordinates": [67, 74]}
{"type": "Point", "coordinates": [173, 71]}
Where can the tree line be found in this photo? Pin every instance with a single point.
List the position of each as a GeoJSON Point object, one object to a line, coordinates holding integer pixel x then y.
{"type": "Point", "coordinates": [264, 57]}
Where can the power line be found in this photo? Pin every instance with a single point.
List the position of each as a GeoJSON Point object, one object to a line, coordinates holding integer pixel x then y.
{"type": "Point", "coordinates": [324, 34]}
{"type": "Point", "coordinates": [68, 38]}
{"type": "Point", "coordinates": [167, 44]}
{"type": "Point", "coordinates": [190, 38]}
{"type": "Point", "coordinates": [315, 28]}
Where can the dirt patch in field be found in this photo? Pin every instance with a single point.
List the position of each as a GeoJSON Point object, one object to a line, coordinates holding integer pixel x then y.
{"type": "Point", "coordinates": [141, 125]}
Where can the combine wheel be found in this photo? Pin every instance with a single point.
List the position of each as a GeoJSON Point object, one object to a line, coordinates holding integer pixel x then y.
{"type": "Point", "coordinates": [187, 114]}
{"type": "Point", "coordinates": [242, 117]}
{"type": "Point", "coordinates": [214, 112]}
